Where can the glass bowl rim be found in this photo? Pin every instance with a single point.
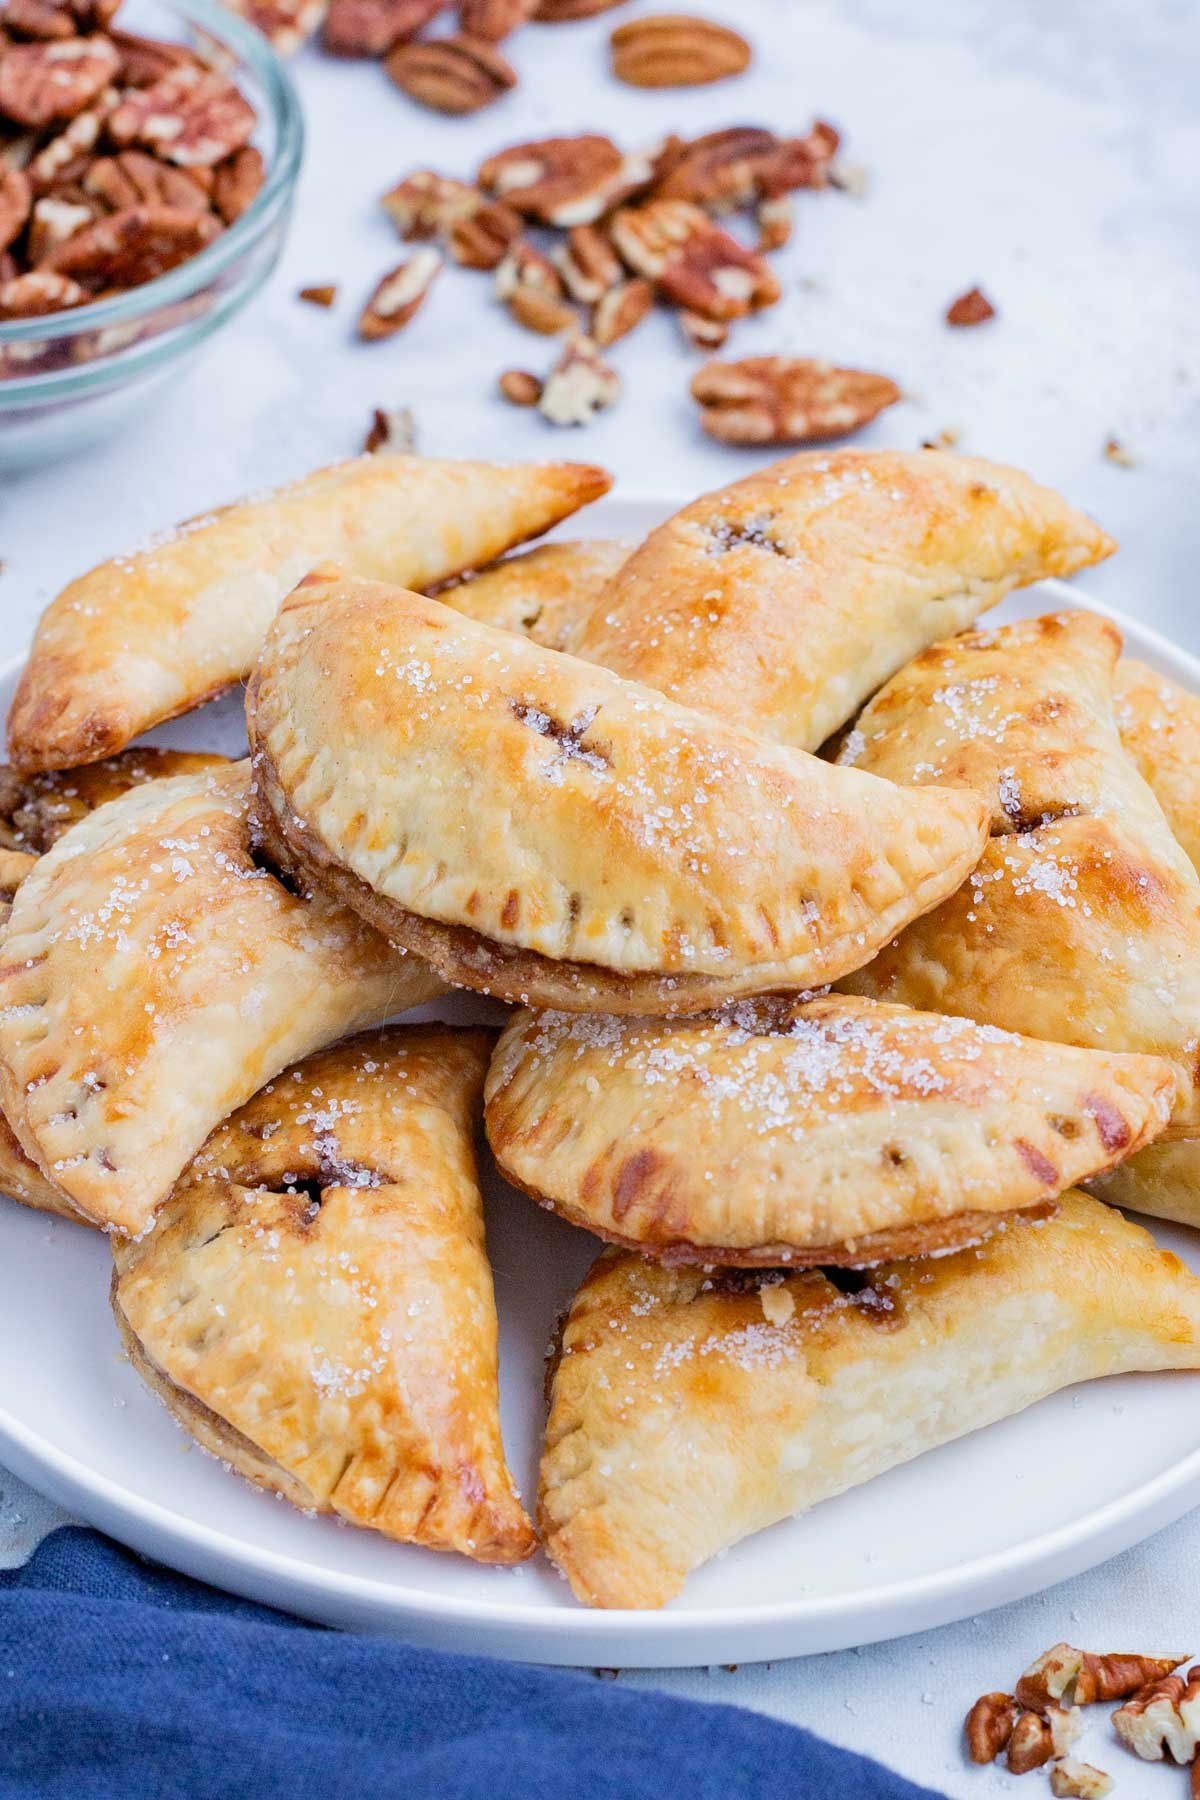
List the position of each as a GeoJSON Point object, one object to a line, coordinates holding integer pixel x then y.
{"type": "Point", "coordinates": [283, 100]}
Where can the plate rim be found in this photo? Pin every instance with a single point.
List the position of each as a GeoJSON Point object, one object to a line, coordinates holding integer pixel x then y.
{"type": "Point", "coordinates": [579, 1635]}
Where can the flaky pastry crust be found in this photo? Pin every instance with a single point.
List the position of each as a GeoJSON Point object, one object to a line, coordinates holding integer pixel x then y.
{"type": "Point", "coordinates": [315, 1303]}
{"type": "Point", "coordinates": [494, 797]}
{"type": "Point", "coordinates": [690, 1409]}
{"type": "Point", "coordinates": [798, 1132]}
{"type": "Point", "coordinates": [1160, 727]}
{"type": "Point", "coordinates": [153, 976]}
{"type": "Point", "coordinates": [547, 593]}
{"type": "Point", "coordinates": [158, 631]}
{"type": "Point", "coordinates": [781, 601]}
{"type": "Point", "coordinates": [35, 809]}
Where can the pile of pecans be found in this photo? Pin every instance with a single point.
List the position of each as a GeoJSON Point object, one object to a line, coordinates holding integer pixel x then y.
{"type": "Point", "coordinates": [120, 157]}
{"type": "Point", "coordinates": [582, 239]}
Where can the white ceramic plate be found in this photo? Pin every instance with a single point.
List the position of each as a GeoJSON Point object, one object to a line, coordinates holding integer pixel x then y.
{"type": "Point", "coordinates": [987, 1520]}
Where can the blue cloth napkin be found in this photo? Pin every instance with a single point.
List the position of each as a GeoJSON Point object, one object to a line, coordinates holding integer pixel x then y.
{"type": "Point", "coordinates": [120, 1680]}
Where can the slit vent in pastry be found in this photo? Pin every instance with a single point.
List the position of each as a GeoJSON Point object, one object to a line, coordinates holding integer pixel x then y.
{"type": "Point", "coordinates": [160, 630]}
{"type": "Point", "coordinates": [153, 975]}
{"type": "Point", "coordinates": [690, 1409]}
{"type": "Point", "coordinates": [548, 593]}
{"type": "Point", "coordinates": [315, 1303]}
{"type": "Point", "coordinates": [781, 601]}
{"type": "Point", "coordinates": [540, 829]}
{"type": "Point", "coordinates": [829, 1131]}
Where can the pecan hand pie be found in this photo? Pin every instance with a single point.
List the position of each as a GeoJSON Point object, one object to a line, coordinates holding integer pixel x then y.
{"type": "Point", "coordinates": [690, 1409]}
{"type": "Point", "coordinates": [35, 809]}
{"type": "Point", "coordinates": [1160, 728]}
{"type": "Point", "coordinates": [162, 629]}
{"type": "Point", "coordinates": [538, 828]}
{"type": "Point", "coordinates": [548, 593]}
{"type": "Point", "coordinates": [1082, 921]}
{"type": "Point", "coordinates": [315, 1303]}
{"type": "Point", "coordinates": [153, 975]}
{"type": "Point", "coordinates": [834, 1130]}
{"type": "Point", "coordinates": [781, 601]}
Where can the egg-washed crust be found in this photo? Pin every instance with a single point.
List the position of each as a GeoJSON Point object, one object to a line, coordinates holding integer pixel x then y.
{"type": "Point", "coordinates": [158, 631]}
{"type": "Point", "coordinates": [35, 809]}
{"type": "Point", "coordinates": [690, 1408]}
{"type": "Point", "coordinates": [1162, 1181]}
{"type": "Point", "coordinates": [781, 601]}
{"type": "Point", "coordinates": [153, 975]}
{"type": "Point", "coordinates": [543, 805]}
{"type": "Point", "coordinates": [548, 593]}
{"type": "Point", "coordinates": [1081, 923]}
{"type": "Point", "coordinates": [315, 1303]}
{"type": "Point", "coordinates": [22, 1180]}
{"type": "Point", "coordinates": [833, 1130]}
{"type": "Point", "coordinates": [1159, 724]}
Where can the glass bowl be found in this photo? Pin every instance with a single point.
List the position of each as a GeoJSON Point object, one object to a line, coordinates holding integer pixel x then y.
{"type": "Point", "coordinates": [94, 365]}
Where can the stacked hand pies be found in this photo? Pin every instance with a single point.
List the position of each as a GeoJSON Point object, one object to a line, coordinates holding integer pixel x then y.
{"type": "Point", "coordinates": [843, 949]}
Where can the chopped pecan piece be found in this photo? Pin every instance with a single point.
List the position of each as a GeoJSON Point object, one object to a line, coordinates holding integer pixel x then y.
{"type": "Point", "coordinates": [52, 223]}
{"type": "Point", "coordinates": [457, 74]}
{"type": "Point", "coordinates": [426, 204]}
{"type": "Point", "coordinates": [720, 170]}
{"type": "Point", "coordinates": [775, 221]}
{"type": "Point", "coordinates": [43, 83]}
{"type": "Point", "coordinates": [971, 308]}
{"type": "Point", "coordinates": [520, 387]}
{"type": "Point", "coordinates": [191, 117]}
{"type": "Point", "coordinates": [49, 19]}
{"type": "Point", "coordinates": [133, 246]}
{"type": "Point", "coordinates": [989, 1725]}
{"type": "Point", "coordinates": [373, 27]}
{"type": "Point", "coordinates": [39, 292]}
{"type": "Point", "coordinates": [1037, 1738]}
{"type": "Point", "coordinates": [493, 19]}
{"type": "Point", "coordinates": [135, 178]}
{"type": "Point", "coordinates": [393, 432]}
{"type": "Point", "coordinates": [580, 385]}
{"type": "Point", "coordinates": [787, 399]}
{"type": "Point", "coordinates": [532, 289]}
{"type": "Point", "coordinates": [1072, 1780]}
{"type": "Point", "coordinates": [236, 182]}
{"type": "Point", "coordinates": [16, 200]}
{"type": "Point", "coordinates": [399, 295]}
{"type": "Point", "coordinates": [692, 261]}
{"type": "Point", "coordinates": [588, 264]}
{"type": "Point", "coordinates": [1162, 1718]}
{"type": "Point", "coordinates": [701, 333]}
{"type": "Point", "coordinates": [325, 295]}
{"type": "Point", "coordinates": [800, 162]}
{"type": "Point", "coordinates": [617, 312]}
{"type": "Point", "coordinates": [673, 50]}
{"type": "Point", "coordinates": [1117, 452]}
{"type": "Point", "coordinates": [1084, 1678]}
{"type": "Point", "coordinates": [286, 24]}
{"type": "Point", "coordinates": [566, 181]}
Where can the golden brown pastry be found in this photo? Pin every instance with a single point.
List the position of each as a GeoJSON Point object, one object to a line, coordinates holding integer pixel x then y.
{"type": "Point", "coordinates": [540, 829]}
{"type": "Point", "coordinates": [14, 867]}
{"type": "Point", "coordinates": [22, 1180]}
{"type": "Point", "coordinates": [35, 810]}
{"type": "Point", "coordinates": [1085, 929]}
{"type": "Point", "coordinates": [690, 1408]}
{"type": "Point", "coordinates": [548, 593]}
{"type": "Point", "coordinates": [801, 1132]}
{"type": "Point", "coordinates": [315, 1303]}
{"type": "Point", "coordinates": [162, 629]}
{"type": "Point", "coordinates": [1160, 727]}
{"type": "Point", "coordinates": [153, 975]}
{"type": "Point", "coordinates": [1163, 1180]}
{"type": "Point", "coordinates": [781, 601]}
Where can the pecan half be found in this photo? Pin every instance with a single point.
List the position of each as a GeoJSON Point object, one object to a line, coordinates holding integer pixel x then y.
{"type": "Point", "coordinates": [67, 154]}
{"type": "Point", "coordinates": [43, 83]}
{"type": "Point", "coordinates": [52, 223]}
{"type": "Point", "coordinates": [617, 312]}
{"type": "Point", "coordinates": [693, 262]}
{"type": "Point", "coordinates": [16, 200]}
{"type": "Point", "coordinates": [134, 178]}
{"type": "Point", "coordinates": [39, 292]}
{"type": "Point", "coordinates": [562, 12]}
{"type": "Point", "coordinates": [479, 239]}
{"type": "Point", "coordinates": [236, 182]}
{"type": "Point", "coordinates": [286, 24]}
{"type": "Point", "coordinates": [58, 18]}
{"type": "Point", "coordinates": [566, 181]}
{"type": "Point", "coordinates": [800, 162]}
{"type": "Point", "coordinates": [580, 385]}
{"type": "Point", "coordinates": [989, 1725]}
{"type": "Point", "coordinates": [393, 432]}
{"type": "Point", "coordinates": [588, 264]}
{"type": "Point", "coordinates": [399, 295]}
{"type": "Point", "coordinates": [133, 246]}
{"type": "Point", "coordinates": [520, 387]}
{"type": "Point", "coordinates": [532, 289]}
{"type": "Point", "coordinates": [787, 400]}
{"type": "Point", "coordinates": [1162, 1718]}
{"type": "Point", "coordinates": [191, 117]}
{"type": "Point", "coordinates": [144, 61]}
{"type": "Point", "coordinates": [971, 308]}
{"type": "Point", "coordinates": [493, 19]}
{"type": "Point", "coordinates": [457, 74]}
{"type": "Point", "coordinates": [426, 204]}
{"type": "Point", "coordinates": [373, 27]}
{"type": "Point", "coordinates": [727, 169]}
{"type": "Point", "coordinates": [674, 50]}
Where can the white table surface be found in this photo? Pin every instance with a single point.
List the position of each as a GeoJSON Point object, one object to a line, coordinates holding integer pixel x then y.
{"type": "Point", "coordinates": [1051, 154]}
